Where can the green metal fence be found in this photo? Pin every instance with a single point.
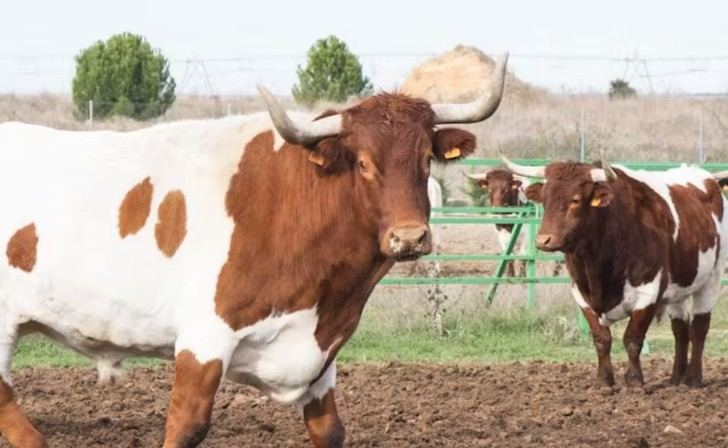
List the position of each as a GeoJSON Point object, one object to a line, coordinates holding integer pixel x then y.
{"type": "Point", "coordinates": [528, 216]}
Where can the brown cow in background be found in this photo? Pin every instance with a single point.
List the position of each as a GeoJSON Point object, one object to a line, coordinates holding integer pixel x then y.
{"type": "Point", "coordinates": [637, 244]}
{"type": "Point", "coordinates": [505, 189]}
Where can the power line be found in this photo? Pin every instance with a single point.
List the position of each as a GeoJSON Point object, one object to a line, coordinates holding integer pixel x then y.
{"type": "Point", "coordinates": [385, 55]}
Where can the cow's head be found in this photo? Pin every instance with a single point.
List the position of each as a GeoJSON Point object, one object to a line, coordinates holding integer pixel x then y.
{"type": "Point", "coordinates": [502, 187]}
{"type": "Point", "coordinates": [574, 196]}
{"type": "Point", "coordinates": [385, 145]}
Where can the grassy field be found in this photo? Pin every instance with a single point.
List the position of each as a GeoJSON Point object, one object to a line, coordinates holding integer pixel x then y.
{"type": "Point", "coordinates": [489, 335]}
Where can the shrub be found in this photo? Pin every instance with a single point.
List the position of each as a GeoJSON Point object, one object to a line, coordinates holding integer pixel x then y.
{"type": "Point", "coordinates": [332, 73]}
{"type": "Point", "coordinates": [619, 88]}
{"type": "Point", "coordinates": [123, 76]}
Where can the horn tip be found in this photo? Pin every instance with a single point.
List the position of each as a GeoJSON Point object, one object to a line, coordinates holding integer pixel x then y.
{"type": "Point", "coordinates": [502, 60]}
{"type": "Point", "coordinates": [263, 90]}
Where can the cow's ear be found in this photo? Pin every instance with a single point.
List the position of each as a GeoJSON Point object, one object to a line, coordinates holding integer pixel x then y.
{"type": "Point", "coordinates": [453, 144]}
{"type": "Point", "coordinates": [533, 192]}
{"type": "Point", "coordinates": [331, 156]}
{"type": "Point", "coordinates": [516, 184]}
{"type": "Point", "coordinates": [602, 195]}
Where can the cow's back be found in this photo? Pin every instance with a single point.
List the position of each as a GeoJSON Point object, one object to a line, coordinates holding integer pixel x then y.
{"type": "Point", "coordinates": [698, 232]}
{"type": "Point", "coordinates": [91, 278]}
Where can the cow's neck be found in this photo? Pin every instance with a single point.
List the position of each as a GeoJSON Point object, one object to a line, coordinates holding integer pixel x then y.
{"type": "Point", "coordinates": [298, 243]}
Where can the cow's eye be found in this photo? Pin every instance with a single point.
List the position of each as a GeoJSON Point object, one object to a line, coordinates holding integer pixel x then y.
{"type": "Point", "coordinates": [363, 166]}
{"type": "Point", "coordinates": [576, 200]}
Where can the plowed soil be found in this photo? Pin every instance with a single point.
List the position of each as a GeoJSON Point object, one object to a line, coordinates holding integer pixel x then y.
{"type": "Point", "coordinates": [400, 405]}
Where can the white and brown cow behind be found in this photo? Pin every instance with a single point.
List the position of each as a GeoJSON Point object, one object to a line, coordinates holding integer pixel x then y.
{"type": "Point", "coordinates": [504, 189]}
{"type": "Point", "coordinates": [243, 248]}
{"type": "Point", "coordinates": [637, 244]}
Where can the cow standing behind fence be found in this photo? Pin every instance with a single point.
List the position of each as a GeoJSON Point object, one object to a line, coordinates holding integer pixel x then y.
{"type": "Point", "coordinates": [637, 244]}
{"type": "Point", "coordinates": [505, 190]}
{"type": "Point", "coordinates": [508, 190]}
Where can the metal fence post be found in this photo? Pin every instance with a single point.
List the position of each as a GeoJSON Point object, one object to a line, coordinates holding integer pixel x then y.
{"type": "Point", "coordinates": [531, 262]}
{"type": "Point", "coordinates": [501, 269]}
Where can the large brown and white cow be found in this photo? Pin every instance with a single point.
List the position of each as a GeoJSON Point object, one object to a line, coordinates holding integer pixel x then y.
{"type": "Point", "coordinates": [242, 248]}
{"type": "Point", "coordinates": [637, 244]}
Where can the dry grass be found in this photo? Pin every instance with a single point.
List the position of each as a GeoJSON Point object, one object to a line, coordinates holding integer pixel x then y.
{"type": "Point", "coordinates": [658, 128]}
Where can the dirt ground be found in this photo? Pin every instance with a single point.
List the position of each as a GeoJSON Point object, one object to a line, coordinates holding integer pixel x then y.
{"type": "Point", "coordinates": [400, 405]}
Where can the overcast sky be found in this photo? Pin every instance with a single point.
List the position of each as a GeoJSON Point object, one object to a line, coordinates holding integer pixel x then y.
{"type": "Point", "coordinates": [558, 44]}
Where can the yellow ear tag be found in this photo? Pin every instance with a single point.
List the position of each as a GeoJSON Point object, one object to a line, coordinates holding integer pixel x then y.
{"type": "Point", "coordinates": [452, 153]}
{"type": "Point", "coordinates": [595, 202]}
{"type": "Point", "coordinates": [316, 158]}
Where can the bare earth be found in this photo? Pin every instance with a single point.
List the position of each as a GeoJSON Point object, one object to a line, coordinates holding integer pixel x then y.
{"type": "Point", "coordinates": [400, 405]}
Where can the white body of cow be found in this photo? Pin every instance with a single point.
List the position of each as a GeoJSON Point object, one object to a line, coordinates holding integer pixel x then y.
{"type": "Point", "coordinates": [504, 235]}
{"type": "Point", "coordinates": [434, 194]}
{"type": "Point", "coordinates": [109, 297]}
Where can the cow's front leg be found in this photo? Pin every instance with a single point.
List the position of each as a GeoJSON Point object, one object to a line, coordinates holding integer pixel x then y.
{"type": "Point", "coordinates": [190, 405]}
{"type": "Point", "coordinates": [634, 337]}
{"type": "Point", "coordinates": [322, 420]}
{"type": "Point", "coordinates": [602, 338]}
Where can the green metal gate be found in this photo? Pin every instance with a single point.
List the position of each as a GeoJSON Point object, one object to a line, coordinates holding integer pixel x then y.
{"type": "Point", "coordinates": [528, 216]}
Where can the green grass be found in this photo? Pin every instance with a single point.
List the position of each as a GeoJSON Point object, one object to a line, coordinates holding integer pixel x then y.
{"type": "Point", "coordinates": [486, 335]}
{"type": "Point", "coordinates": [506, 336]}
{"type": "Point", "coordinates": [38, 351]}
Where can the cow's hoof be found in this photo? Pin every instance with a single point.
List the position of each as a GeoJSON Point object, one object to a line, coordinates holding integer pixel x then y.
{"type": "Point", "coordinates": [605, 379]}
{"type": "Point", "coordinates": [634, 381]}
{"type": "Point", "coordinates": [676, 380]}
{"type": "Point", "coordinates": [693, 381]}
{"type": "Point", "coordinates": [607, 391]}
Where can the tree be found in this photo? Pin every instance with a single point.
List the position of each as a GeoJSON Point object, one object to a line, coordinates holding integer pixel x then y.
{"type": "Point", "coordinates": [332, 73]}
{"type": "Point", "coordinates": [619, 88]}
{"type": "Point", "coordinates": [123, 76]}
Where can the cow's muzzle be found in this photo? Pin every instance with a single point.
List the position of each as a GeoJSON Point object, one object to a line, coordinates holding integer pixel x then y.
{"type": "Point", "coordinates": [407, 242]}
{"type": "Point", "coordinates": [547, 242]}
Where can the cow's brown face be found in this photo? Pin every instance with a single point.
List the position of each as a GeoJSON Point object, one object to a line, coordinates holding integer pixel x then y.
{"type": "Point", "coordinates": [502, 188]}
{"type": "Point", "coordinates": [386, 148]}
{"type": "Point", "coordinates": [571, 200]}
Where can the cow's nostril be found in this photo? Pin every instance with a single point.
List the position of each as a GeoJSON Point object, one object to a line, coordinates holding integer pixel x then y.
{"type": "Point", "coordinates": [543, 240]}
{"type": "Point", "coordinates": [423, 237]}
{"type": "Point", "coordinates": [409, 238]}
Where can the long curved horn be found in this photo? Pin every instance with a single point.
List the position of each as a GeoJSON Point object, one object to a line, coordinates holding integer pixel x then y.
{"type": "Point", "coordinates": [523, 170]}
{"type": "Point", "coordinates": [476, 176]}
{"type": "Point", "coordinates": [720, 174]}
{"type": "Point", "coordinates": [294, 131]}
{"type": "Point", "coordinates": [480, 109]}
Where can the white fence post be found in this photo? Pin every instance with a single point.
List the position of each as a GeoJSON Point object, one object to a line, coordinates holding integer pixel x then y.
{"type": "Point", "coordinates": [91, 113]}
{"type": "Point", "coordinates": [700, 147]}
{"type": "Point", "coordinates": [582, 137]}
